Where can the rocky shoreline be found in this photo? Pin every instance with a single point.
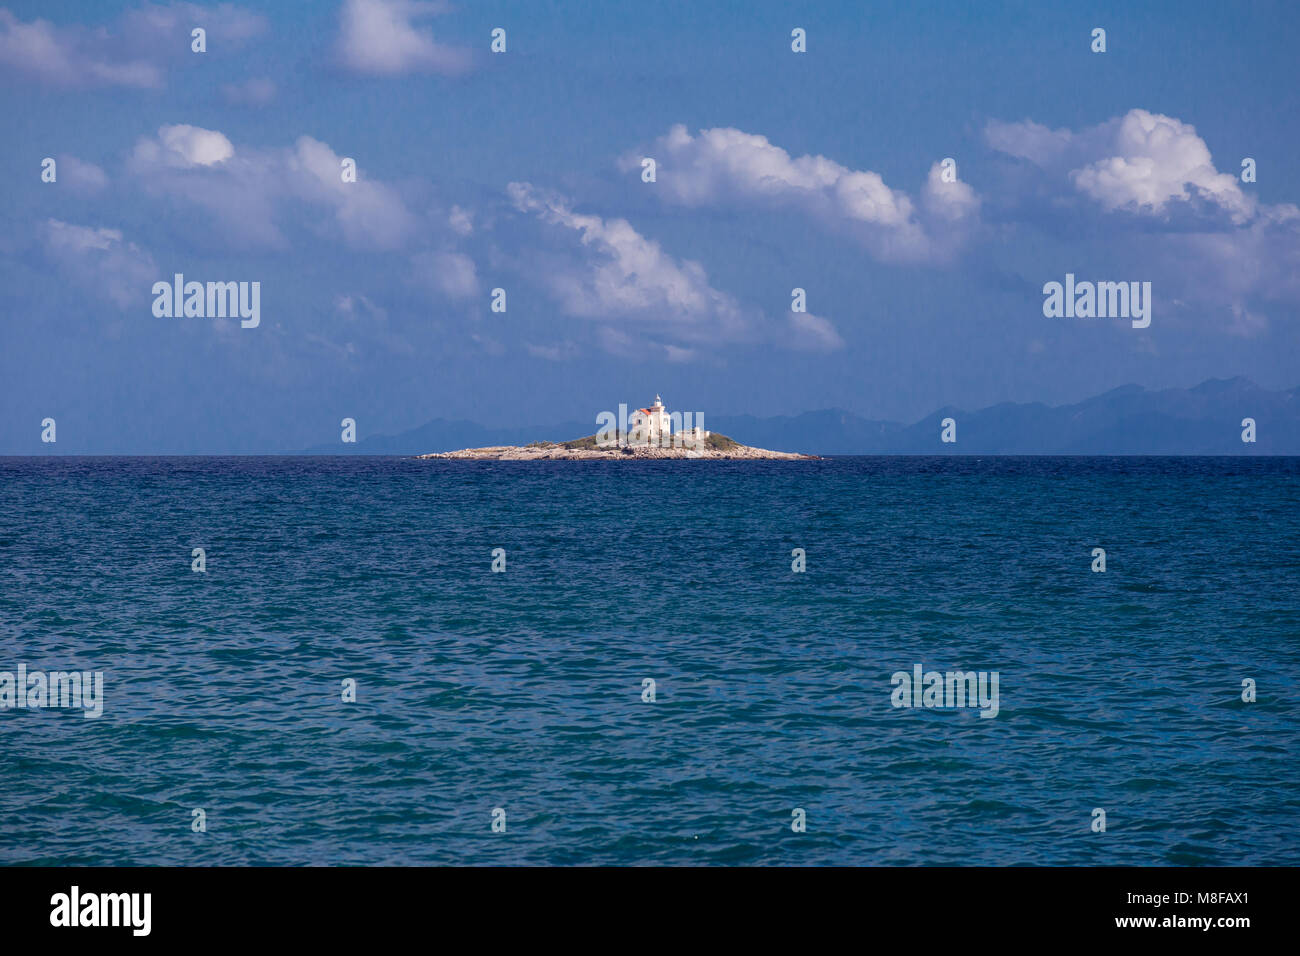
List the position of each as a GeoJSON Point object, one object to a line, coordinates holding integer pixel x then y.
{"type": "Point", "coordinates": [558, 451]}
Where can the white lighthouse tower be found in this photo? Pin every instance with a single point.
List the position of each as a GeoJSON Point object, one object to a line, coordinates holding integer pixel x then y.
{"type": "Point", "coordinates": [650, 426]}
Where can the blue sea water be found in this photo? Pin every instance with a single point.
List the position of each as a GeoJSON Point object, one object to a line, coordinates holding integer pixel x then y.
{"type": "Point", "coordinates": [522, 690]}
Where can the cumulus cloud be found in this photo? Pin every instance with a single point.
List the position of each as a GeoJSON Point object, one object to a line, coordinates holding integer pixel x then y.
{"type": "Point", "coordinates": [1142, 162]}
{"type": "Point", "coordinates": [618, 277]}
{"type": "Point", "coordinates": [1203, 238]}
{"type": "Point", "coordinates": [246, 189]}
{"type": "Point", "coordinates": [727, 166]}
{"type": "Point", "coordinates": [1157, 160]}
{"type": "Point", "coordinates": [379, 38]}
{"type": "Point", "coordinates": [135, 52]}
{"type": "Point", "coordinates": [623, 274]}
{"type": "Point", "coordinates": [100, 260]}
{"type": "Point", "coordinates": [183, 146]}
{"type": "Point", "coordinates": [951, 202]}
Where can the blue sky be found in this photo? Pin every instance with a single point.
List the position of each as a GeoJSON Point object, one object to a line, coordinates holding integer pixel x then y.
{"type": "Point", "coordinates": [521, 171]}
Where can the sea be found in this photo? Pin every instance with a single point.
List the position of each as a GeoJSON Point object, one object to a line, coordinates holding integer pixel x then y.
{"type": "Point", "coordinates": [673, 662]}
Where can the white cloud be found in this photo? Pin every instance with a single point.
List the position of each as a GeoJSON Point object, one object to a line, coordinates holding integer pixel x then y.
{"type": "Point", "coordinates": [1143, 162]}
{"type": "Point", "coordinates": [813, 333]}
{"type": "Point", "coordinates": [727, 166]}
{"type": "Point", "coordinates": [951, 202]}
{"type": "Point", "coordinates": [623, 274]}
{"type": "Point", "coordinates": [68, 57]}
{"type": "Point", "coordinates": [618, 277]}
{"type": "Point", "coordinates": [369, 214]}
{"type": "Point", "coordinates": [1158, 160]}
{"type": "Point", "coordinates": [100, 260]}
{"type": "Point", "coordinates": [247, 189]}
{"type": "Point", "coordinates": [378, 38]}
{"type": "Point", "coordinates": [183, 146]}
{"type": "Point", "coordinates": [1238, 252]}
{"type": "Point", "coordinates": [1028, 140]}
{"type": "Point", "coordinates": [135, 52]}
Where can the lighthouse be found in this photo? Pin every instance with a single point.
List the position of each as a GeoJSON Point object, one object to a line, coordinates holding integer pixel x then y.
{"type": "Point", "coordinates": [650, 426]}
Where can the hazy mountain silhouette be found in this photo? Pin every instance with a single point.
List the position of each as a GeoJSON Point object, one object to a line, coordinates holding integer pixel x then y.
{"type": "Point", "coordinates": [1130, 420]}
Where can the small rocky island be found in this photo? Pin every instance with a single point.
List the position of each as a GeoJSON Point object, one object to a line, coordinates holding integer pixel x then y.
{"type": "Point", "coordinates": [649, 435]}
{"type": "Point", "coordinates": [586, 449]}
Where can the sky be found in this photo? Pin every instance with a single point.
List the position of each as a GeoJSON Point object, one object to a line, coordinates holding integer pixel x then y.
{"type": "Point", "coordinates": [522, 170]}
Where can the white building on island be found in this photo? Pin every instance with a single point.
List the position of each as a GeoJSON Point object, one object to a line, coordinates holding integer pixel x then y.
{"type": "Point", "coordinates": [655, 426]}
{"type": "Point", "coordinates": [649, 426]}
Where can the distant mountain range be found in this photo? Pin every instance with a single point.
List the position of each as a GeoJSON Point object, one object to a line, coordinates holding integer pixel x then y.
{"type": "Point", "coordinates": [1130, 420]}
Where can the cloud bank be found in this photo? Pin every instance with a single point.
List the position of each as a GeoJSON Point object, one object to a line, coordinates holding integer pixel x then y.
{"type": "Point", "coordinates": [380, 38]}
{"type": "Point", "coordinates": [247, 190]}
{"type": "Point", "coordinates": [618, 277]}
{"type": "Point", "coordinates": [1211, 240]}
{"type": "Point", "coordinates": [1142, 162]}
{"type": "Point", "coordinates": [136, 52]}
{"type": "Point", "coordinates": [729, 167]}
